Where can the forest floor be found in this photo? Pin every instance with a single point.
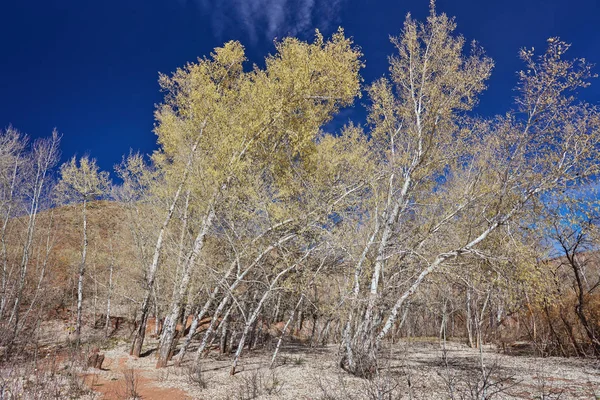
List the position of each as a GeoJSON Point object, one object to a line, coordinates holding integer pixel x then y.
{"type": "Point", "coordinates": [415, 370]}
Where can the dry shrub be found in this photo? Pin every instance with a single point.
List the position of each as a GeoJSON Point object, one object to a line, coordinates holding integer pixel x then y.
{"type": "Point", "coordinates": [485, 381]}
{"type": "Point", "coordinates": [49, 378]}
{"type": "Point", "coordinates": [385, 384]}
{"type": "Point", "coordinates": [258, 383]}
{"type": "Point", "coordinates": [130, 386]}
{"type": "Point", "coordinates": [196, 376]}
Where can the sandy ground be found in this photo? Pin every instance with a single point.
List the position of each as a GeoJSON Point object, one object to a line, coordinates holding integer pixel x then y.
{"type": "Point", "coordinates": [416, 370]}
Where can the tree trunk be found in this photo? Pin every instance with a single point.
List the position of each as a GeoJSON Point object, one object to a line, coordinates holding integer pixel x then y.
{"type": "Point", "coordinates": [81, 275]}
{"type": "Point", "coordinates": [42, 166]}
{"type": "Point", "coordinates": [469, 319]}
{"type": "Point", "coordinates": [314, 328]}
{"type": "Point", "coordinates": [168, 336]}
{"type": "Point", "coordinates": [322, 338]}
{"type": "Point", "coordinates": [224, 330]}
{"type": "Point", "coordinates": [201, 313]}
{"type": "Point", "coordinates": [232, 287]}
{"type": "Point", "coordinates": [250, 322]}
{"type": "Point", "coordinates": [347, 361]}
{"type": "Point", "coordinates": [41, 277]}
{"type": "Point", "coordinates": [287, 324]}
{"type": "Point", "coordinates": [108, 296]}
{"type": "Point", "coordinates": [138, 340]}
{"type": "Point", "coordinates": [211, 327]}
{"type": "Point", "coordinates": [579, 308]}
{"type": "Point", "coordinates": [7, 218]}
{"type": "Point", "coordinates": [182, 236]}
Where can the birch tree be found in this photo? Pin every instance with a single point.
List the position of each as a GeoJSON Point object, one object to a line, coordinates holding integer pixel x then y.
{"type": "Point", "coordinates": [12, 157]}
{"type": "Point", "coordinates": [256, 117]}
{"type": "Point", "coordinates": [42, 158]}
{"type": "Point", "coordinates": [146, 198]}
{"type": "Point", "coordinates": [82, 182]}
{"type": "Point", "coordinates": [444, 169]}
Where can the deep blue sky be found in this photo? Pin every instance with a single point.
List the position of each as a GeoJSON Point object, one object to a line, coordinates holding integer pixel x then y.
{"type": "Point", "coordinates": [90, 68]}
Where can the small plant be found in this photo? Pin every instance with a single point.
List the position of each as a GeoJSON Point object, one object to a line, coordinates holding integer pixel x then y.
{"type": "Point", "coordinates": [299, 360]}
{"type": "Point", "coordinates": [272, 385]}
{"type": "Point", "coordinates": [256, 384]}
{"type": "Point", "coordinates": [196, 377]}
{"type": "Point", "coordinates": [131, 384]}
{"type": "Point", "coordinates": [43, 379]}
{"type": "Point", "coordinates": [163, 374]}
{"type": "Point", "coordinates": [336, 390]}
{"type": "Point", "coordinates": [383, 386]}
{"type": "Point", "coordinates": [482, 382]}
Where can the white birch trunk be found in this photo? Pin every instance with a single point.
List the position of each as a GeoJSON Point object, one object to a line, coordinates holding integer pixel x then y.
{"type": "Point", "coordinates": [81, 274]}
{"type": "Point", "coordinates": [7, 217]}
{"type": "Point", "coordinates": [138, 341]}
{"type": "Point", "coordinates": [257, 311]}
{"type": "Point", "coordinates": [43, 161]}
{"type": "Point", "coordinates": [200, 314]}
{"type": "Point", "coordinates": [232, 287]}
{"type": "Point", "coordinates": [168, 335]}
{"type": "Point", "coordinates": [287, 324]}
{"type": "Point", "coordinates": [109, 291]}
{"type": "Point", "coordinates": [42, 275]}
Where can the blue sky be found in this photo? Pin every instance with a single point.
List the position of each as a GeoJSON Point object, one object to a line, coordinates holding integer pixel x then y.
{"type": "Point", "coordinates": [90, 68]}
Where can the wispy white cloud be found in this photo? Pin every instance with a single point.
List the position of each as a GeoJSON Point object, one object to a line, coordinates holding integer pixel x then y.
{"type": "Point", "coordinates": [267, 19]}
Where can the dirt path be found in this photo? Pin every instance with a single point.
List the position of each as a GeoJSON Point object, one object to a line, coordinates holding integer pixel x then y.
{"type": "Point", "coordinates": [119, 380]}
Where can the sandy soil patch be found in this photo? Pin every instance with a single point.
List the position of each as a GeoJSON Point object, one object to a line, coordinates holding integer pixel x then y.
{"type": "Point", "coordinates": [409, 370]}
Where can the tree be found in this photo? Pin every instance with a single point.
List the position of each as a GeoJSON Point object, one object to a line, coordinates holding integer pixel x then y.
{"type": "Point", "coordinates": [31, 172]}
{"type": "Point", "coordinates": [12, 146]}
{"type": "Point", "coordinates": [451, 182]}
{"type": "Point", "coordinates": [143, 194]}
{"type": "Point", "coordinates": [570, 225]}
{"type": "Point", "coordinates": [240, 121]}
{"type": "Point", "coordinates": [82, 182]}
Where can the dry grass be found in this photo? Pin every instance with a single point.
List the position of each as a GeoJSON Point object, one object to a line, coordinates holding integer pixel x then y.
{"type": "Point", "coordinates": [408, 371]}
{"type": "Point", "coordinates": [417, 370]}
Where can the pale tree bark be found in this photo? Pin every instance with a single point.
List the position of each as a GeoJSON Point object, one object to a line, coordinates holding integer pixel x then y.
{"type": "Point", "coordinates": [169, 331]}
{"type": "Point", "coordinates": [138, 340]}
{"type": "Point", "coordinates": [81, 274]}
{"type": "Point", "coordinates": [469, 318]}
{"type": "Point", "coordinates": [223, 324]}
{"type": "Point", "coordinates": [109, 289]}
{"type": "Point", "coordinates": [250, 321]}
{"type": "Point", "coordinates": [201, 313]}
{"type": "Point", "coordinates": [45, 153]}
{"type": "Point", "coordinates": [82, 181]}
{"type": "Point", "coordinates": [182, 236]}
{"type": "Point", "coordinates": [284, 330]}
{"type": "Point", "coordinates": [230, 288]}
{"type": "Point", "coordinates": [7, 216]}
{"type": "Point", "coordinates": [224, 330]}
{"type": "Point", "coordinates": [443, 257]}
{"type": "Point", "coordinates": [407, 115]}
{"type": "Point", "coordinates": [42, 274]}
{"type": "Point", "coordinates": [211, 328]}
{"type": "Point", "coordinates": [291, 318]}
{"type": "Point", "coordinates": [358, 271]}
